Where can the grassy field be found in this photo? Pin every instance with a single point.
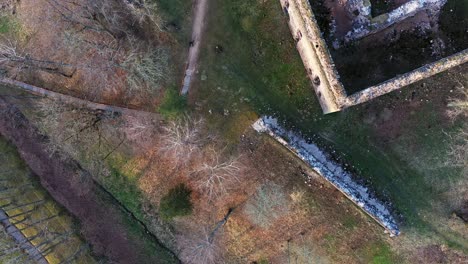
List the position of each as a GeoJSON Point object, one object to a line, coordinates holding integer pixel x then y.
{"type": "Point", "coordinates": [37, 215]}
{"type": "Point", "coordinates": [397, 143]}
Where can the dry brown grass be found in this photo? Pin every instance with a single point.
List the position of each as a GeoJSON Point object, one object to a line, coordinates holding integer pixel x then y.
{"type": "Point", "coordinates": [103, 51]}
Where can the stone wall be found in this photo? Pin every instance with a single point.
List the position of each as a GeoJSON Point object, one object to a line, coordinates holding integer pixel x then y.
{"type": "Point", "coordinates": [320, 66]}
{"type": "Point", "coordinates": [315, 55]}
{"type": "Point", "coordinates": [406, 79]}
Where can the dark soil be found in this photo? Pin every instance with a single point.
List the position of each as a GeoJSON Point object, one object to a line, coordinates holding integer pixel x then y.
{"type": "Point", "coordinates": [103, 224]}
{"type": "Point", "coordinates": [406, 46]}
{"type": "Point", "coordinates": [322, 16]}
{"type": "Point", "coordinates": [366, 63]}
{"type": "Point", "coordinates": [454, 22]}
{"type": "Point", "coordinates": [463, 212]}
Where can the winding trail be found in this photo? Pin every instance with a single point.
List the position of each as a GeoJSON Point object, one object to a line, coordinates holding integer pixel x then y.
{"type": "Point", "coordinates": [198, 27]}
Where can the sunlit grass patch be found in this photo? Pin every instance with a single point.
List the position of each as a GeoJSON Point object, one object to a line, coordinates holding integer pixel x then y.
{"type": "Point", "coordinates": [379, 253]}
{"type": "Point", "coordinates": [8, 24]}
{"type": "Point", "coordinates": [173, 104]}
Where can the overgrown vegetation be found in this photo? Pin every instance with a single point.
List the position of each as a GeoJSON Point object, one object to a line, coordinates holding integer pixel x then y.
{"type": "Point", "coordinates": [176, 203]}
{"type": "Point", "coordinates": [112, 47]}
{"type": "Point", "coordinates": [125, 191]}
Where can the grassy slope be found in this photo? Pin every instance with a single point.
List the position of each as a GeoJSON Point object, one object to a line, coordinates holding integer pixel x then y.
{"type": "Point", "coordinates": [261, 71]}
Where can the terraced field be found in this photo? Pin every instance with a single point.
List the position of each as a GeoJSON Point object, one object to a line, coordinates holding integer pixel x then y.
{"type": "Point", "coordinates": [43, 222]}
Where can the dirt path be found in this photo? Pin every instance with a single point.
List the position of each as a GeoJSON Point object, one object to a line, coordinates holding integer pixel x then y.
{"type": "Point", "coordinates": [102, 222]}
{"type": "Point", "coordinates": [68, 99]}
{"type": "Point", "coordinates": [198, 28]}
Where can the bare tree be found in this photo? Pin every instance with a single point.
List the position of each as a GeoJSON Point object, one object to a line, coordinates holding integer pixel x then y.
{"type": "Point", "coordinates": [80, 132]}
{"type": "Point", "coordinates": [214, 176]}
{"type": "Point", "coordinates": [182, 138]}
{"type": "Point", "coordinates": [9, 52]}
{"type": "Point", "coordinates": [146, 69]}
{"type": "Point", "coordinates": [11, 56]}
{"type": "Point", "coordinates": [267, 204]}
{"type": "Point", "coordinates": [200, 249]}
{"type": "Point", "coordinates": [144, 10]}
{"type": "Point", "coordinates": [458, 106]}
{"type": "Point", "coordinates": [203, 247]}
{"type": "Point", "coordinates": [103, 16]}
{"type": "Point", "coordinates": [458, 152]}
{"type": "Point", "coordinates": [104, 47]}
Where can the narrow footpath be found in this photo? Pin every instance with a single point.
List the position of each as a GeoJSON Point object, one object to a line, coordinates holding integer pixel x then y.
{"type": "Point", "coordinates": [198, 28]}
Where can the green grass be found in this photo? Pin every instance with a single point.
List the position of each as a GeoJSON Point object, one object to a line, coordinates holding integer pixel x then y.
{"type": "Point", "coordinates": [125, 190]}
{"type": "Point", "coordinates": [176, 203]}
{"type": "Point", "coordinates": [173, 104]}
{"type": "Point", "coordinates": [380, 254]}
{"type": "Point", "coordinates": [8, 25]}
{"type": "Point", "coordinates": [350, 222]}
{"type": "Point", "coordinates": [176, 14]}
{"type": "Point", "coordinates": [175, 10]}
{"type": "Point", "coordinates": [260, 70]}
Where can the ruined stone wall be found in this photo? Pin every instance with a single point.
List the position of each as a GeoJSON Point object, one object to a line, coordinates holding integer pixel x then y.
{"type": "Point", "coordinates": [321, 69]}
{"type": "Point", "coordinates": [406, 79]}
{"type": "Point", "coordinates": [379, 23]}
{"type": "Point", "coordinates": [314, 53]}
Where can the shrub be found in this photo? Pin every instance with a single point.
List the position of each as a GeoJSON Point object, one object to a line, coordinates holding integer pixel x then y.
{"type": "Point", "coordinates": [146, 69]}
{"type": "Point", "coordinates": [176, 203]}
